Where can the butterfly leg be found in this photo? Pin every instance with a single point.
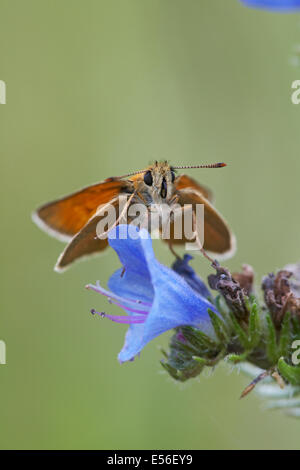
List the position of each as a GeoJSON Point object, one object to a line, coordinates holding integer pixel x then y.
{"type": "Point", "coordinates": [172, 250]}
{"type": "Point", "coordinates": [173, 201]}
{"type": "Point", "coordinates": [123, 212]}
{"type": "Point", "coordinates": [198, 241]}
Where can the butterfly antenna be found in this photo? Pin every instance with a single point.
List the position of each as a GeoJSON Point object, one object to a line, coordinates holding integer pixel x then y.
{"type": "Point", "coordinates": [130, 174]}
{"type": "Point", "coordinates": [212, 165]}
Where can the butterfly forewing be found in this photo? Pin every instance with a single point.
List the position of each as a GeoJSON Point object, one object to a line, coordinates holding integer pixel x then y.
{"type": "Point", "coordinates": [65, 217]}
{"type": "Point", "coordinates": [185, 181]}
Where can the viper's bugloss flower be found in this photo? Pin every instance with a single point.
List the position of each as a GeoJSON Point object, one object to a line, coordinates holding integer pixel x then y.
{"type": "Point", "coordinates": [155, 297]}
{"type": "Point", "coordinates": [275, 5]}
{"type": "Point", "coordinates": [182, 267]}
{"type": "Point", "coordinates": [236, 326]}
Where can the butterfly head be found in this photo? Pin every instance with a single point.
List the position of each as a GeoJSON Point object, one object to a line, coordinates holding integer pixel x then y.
{"type": "Point", "coordinates": [158, 180]}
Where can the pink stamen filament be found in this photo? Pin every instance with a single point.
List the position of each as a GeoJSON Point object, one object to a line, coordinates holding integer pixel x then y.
{"type": "Point", "coordinates": [113, 296]}
{"type": "Point", "coordinates": [141, 312]}
{"type": "Point", "coordinates": [120, 318]}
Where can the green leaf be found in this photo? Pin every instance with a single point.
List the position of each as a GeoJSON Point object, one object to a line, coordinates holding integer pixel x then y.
{"type": "Point", "coordinates": [247, 303]}
{"type": "Point", "coordinates": [272, 350]}
{"type": "Point", "coordinates": [200, 360]}
{"type": "Point", "coordinates": [198, 339]}
{"type": "Point", "coordinates": [212, 361]}
{"type": "Point", "coordinates": [296, 326]}
{"type": "Point", "coordinates": [290, 373]}
{"type": "Point", "coordinates": [222, 306]}
{"type": "Point", "coordinates": [254, 326]}
{"type": "Point", "coordinates": [219, 327]}
{"type": "Point", "coordinates": [171, 370]}
{"type": "Point", "coordinates": [236, 358]}
{"type": "Point", "coordinates": [240, 332]}
{"type": "Point", "coordinates": [164, 353]}
{"type": "Point", "coordinates": [285, 336]}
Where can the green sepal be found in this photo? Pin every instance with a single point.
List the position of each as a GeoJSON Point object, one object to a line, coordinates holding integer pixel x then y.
{"type": "Point", "coordinates": [254, 326]}
{"type": "Point", "coordinates": [290, 373]}
{"type": "Point", "coordinates": [164, 353]}
{"type": "Point", "coordinates": [182, 375]}
{"type": "Point", "coordinates": [271, 345]}
{"type": "Point", "coordinates": [222, 307]}
{"type": "Point", "coordinates": [212, 361]}
{"type": "Point", "coordinates": [236, 358]}
{"type": "Point", "coordinates": [296, 326]}
{"type": "Point", "coordinates": [171, 370]}
{"type": "Point", "coordinates": [240, 332]}
{"type": "Point", "coordinates": [285, 336]}
{"type": "Point", "coordinates": [200, 360]}
{"type": "Point", "coordinates": [198, 339]}
{"type": "Point", "coordinates": [219, 327]}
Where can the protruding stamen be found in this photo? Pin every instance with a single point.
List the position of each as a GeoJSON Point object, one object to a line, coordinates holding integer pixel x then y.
{"type": "Point", "coordinates": [93, 312]}
{"type": "Point", "coordinates": [129, 320]}
{"type": "Point", "coordinates": [141, 312]}
{"type": "Point", "coordinates": [116, 297]}
{"type": "Point", "coordinates": [123, 299]}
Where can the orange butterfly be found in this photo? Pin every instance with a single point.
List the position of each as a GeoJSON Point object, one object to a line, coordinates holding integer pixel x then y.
{"type": "Point", "coordinates": [74, 218]}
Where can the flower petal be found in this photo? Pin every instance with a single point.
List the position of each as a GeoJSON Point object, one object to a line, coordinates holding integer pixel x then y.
{"type": "Point", "coordinates": [277, 5]}
{"type": "Point", "coordinates": [182, 267]}
{"type": "Point", "coordinates": [133, 343]}
{"type": "Point", "coordinates": [135, 282]}
{"type": "Point", "coordinates": [175, 302]}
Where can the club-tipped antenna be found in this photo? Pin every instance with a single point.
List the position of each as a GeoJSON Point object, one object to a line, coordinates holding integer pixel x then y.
{"type": "Point", "coordinates": [131, 174]}
{"type": "Point", "coordinates": [211, 165]}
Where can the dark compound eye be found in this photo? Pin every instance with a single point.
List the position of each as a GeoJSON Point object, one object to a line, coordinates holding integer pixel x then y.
{"type": "Point", "coordinates": [173, 176]}
{"type": "Point", "coordinates": [148, 178]}
{"type": "Point", "coordinates": [163, 191]}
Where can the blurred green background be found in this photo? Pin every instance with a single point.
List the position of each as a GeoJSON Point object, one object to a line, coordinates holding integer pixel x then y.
{"type": "Point", "coordinates": [98, 89]}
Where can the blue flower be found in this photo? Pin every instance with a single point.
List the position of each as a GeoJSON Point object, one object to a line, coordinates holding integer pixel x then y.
{"type": "Point", "coordinates": [155, 297]}
{"type": "Point", "coordinates": [277, 5]}
{"type": "Point", "coordinates": [182, 267]}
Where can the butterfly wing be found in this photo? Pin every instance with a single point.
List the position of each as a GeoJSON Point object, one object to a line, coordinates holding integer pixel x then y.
{"type": "Point", "coordinates": [185, 181]}
{"type": "Point", "coordinates": [88, 240]}
{"type": "Point", "coordinates": [83, 244]}
{"type": "Point", "coordinates": [218, 238]}
{"type": "Point", "coordinates": [65, 217]}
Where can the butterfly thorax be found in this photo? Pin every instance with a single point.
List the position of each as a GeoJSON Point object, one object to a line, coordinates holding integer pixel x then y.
{"type": "Point", "coordinates": [156, 184]}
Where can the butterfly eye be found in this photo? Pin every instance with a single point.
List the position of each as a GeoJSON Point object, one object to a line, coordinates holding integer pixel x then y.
{"type": "Point", "coordinates": [163, 191]}
{"type": "Point", "coordinates": [148, 180]}
{"type": "Point", "coordinates": [172, 176]}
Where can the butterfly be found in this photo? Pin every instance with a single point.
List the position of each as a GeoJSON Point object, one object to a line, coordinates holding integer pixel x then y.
{"type": "Point", "coordinates": [74, 218]}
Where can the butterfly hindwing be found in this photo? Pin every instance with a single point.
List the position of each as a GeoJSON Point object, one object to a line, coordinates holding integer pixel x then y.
{"type": "Point", "coordinates": [218, 238]}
